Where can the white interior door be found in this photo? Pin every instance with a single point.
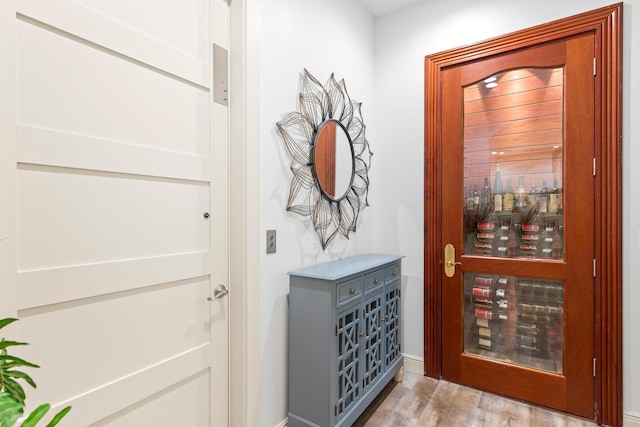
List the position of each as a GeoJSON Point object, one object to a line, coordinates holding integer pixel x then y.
{"type": "Point", "coordinates": [114, 219]}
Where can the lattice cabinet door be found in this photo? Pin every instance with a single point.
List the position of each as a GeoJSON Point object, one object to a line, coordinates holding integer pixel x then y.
{"type": "Point", "coordinates": [373, 339]}
{"type": "Point", "coordinates": [392, 323]}
{"type": "Point", "coordinates": [340, 314]}
{"type": "Point", "coordinates": [349, 359]}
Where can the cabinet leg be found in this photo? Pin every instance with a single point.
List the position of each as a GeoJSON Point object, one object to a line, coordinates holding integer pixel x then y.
{"type": "Point", "coordinates": [399, 376]}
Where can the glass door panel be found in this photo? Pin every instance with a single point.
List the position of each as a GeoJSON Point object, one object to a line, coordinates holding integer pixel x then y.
{"type": "Point", "coordinates": [513, 165]}
{"type": "Point", "coordinates": [515, 320]}
{"type": "Point", "coordinates": [513, 208]}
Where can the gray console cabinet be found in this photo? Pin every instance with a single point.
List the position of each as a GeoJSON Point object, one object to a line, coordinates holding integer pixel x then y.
{"type": "Point", "coordinates": [344, 337]}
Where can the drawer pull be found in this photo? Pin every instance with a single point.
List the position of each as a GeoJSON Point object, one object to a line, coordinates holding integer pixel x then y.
{"type": "Point", "coordinates": [376, 281]}
{"type": "Point", "coordinates": [362, 334]}
{"type": "Point", "coordinates": [385, 318]}
{"type": "Point", "coordinates": [352, 291]}
{"type": "Point", "coordinates": [395, 273]}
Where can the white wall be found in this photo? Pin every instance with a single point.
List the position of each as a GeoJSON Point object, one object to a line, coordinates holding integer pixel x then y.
{"type": "Point", "coordinates": [403, 39]}
{"type": "Point", "coordinates": [329, 36]}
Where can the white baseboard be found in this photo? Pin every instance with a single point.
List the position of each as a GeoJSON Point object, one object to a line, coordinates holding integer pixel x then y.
{"type": "Point", "coordinates": [283, 423]}
{"type": "Point", "coordinates": [414, 364]}
{"type": "Point", "coordinates": [631, 419]}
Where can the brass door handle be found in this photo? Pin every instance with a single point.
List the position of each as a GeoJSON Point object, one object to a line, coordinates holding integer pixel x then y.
{"type": "Point", "coordinates": [450, 260]}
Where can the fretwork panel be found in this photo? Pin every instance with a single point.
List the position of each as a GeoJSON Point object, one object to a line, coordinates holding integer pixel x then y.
{"type": "Point", "coordinates": [373, 311]}
{"type": "Point", "coordinates": [392, 337]}
{"type": "Point", "coordinates": [348, 359]}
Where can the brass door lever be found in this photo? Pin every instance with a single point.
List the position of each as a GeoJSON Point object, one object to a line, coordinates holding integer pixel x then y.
{"type": "Point", "coordinates": [450, 260]}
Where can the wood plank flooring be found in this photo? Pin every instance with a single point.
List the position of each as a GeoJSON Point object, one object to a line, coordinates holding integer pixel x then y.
{"type": "Point", "coordinates": [423, 401]}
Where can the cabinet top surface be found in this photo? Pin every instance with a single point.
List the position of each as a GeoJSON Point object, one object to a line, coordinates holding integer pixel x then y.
{"type": "Point", "coordinates": [340, 268]}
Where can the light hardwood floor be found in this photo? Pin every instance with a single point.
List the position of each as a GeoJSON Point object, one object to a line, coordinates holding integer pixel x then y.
{"type": "Point", "coordinates": [423, 401]}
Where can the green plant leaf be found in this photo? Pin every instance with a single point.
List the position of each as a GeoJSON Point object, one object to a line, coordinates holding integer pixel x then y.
{"type": "Point", "coordinates": [14, 389]}
{"type": "Point", "coordinates": [22, 375]}
{"type": "Point", "coordinates": [6, 400]}
{"type": "Point", "coordinates": [4, 344]}
{"type": "Point", "coordinates": [10, 410]}
{"type": "Point", "coordinates": [36, 415]}
{"type": "Point", "coordinates": [11, 361]}
{"type": "Point", "coordinates": [55, 420]}
{"type": "Point", "coordinates": [6, 321]}
{"type": "Point", "coordinates": [12, 394]}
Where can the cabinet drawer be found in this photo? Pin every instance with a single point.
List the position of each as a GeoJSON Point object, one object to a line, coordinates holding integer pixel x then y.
{"type": "Point", "coordinates": [392, 272]}
{"type": "Point", "coordinates": [348, 291]}
{"type": "Point", "coordinates": [373, 280]}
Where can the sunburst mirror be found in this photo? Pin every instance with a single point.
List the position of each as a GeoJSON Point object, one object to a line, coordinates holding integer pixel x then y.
{"type": "Point", "coordinates": [330, 158]}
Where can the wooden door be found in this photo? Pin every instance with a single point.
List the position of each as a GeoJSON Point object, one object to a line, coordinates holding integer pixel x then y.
{"type": "Point", "coordinates": [118, 162]}
{"type": "Point", "coordinates": [518, 311]}
{"type": "Point", "coordinates": [602, 253]}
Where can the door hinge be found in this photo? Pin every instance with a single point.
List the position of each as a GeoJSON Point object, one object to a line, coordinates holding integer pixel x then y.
{"type": "Point", "coordinates": [594, 267]}
{"type": "Point", "coordinates": [594, 367]}
{"type": "Point", "coordinates": [594, 166]}
{"type": "Point", "coordinates": [595, 64]}
{"type": "Point", "coordinates": [220, 75]}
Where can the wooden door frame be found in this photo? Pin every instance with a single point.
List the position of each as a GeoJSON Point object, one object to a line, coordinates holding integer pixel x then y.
{"type": "Point", "coordinates": [606, 24]}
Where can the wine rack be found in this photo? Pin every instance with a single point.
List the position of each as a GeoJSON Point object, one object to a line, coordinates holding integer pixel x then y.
{"type": "Point", "coordinates": [515, 319]}
{"type": "Point", "coordinates": [514, 223]}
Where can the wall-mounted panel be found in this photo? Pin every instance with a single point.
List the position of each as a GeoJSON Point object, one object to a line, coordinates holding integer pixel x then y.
{"type": "Point", "coordinates": [74, 217]}
{"type": "Point", "coordinates": [67, 84]}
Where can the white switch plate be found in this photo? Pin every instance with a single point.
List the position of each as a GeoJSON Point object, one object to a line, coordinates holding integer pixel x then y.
{"type": "Point", "coordinates": [271, 241]}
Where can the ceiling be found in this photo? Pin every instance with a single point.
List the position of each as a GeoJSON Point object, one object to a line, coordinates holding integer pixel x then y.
{"type": "Point", "coordinates": [381, 7]}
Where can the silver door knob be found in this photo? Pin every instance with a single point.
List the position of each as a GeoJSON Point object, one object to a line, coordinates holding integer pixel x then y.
{"type": "Point", "coordinates": [218, 293]}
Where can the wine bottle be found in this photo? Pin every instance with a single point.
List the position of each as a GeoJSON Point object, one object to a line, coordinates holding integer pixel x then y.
{"type": "Point", "coordinates": [489, 312]}
{"type": "Point", "coordinates": [485, 343]}
{"type": "Point", "coordinates": [485, 332]}
{"type": "Point", "coordinates": [543, 198]}
{"type": "Point", "coordinates": [556, 244]}
{"type": "Point", "coordinates": [485, 196]}
{"type": "Point", "coordinates": [497, 191]}
{"type": "Point", "coordinates": [521, 194]}
{"type": "Point", "coordinates": [486, 337]}
{"type": "Point", "coordinates": [476, 196]}
{"type": "Point", "coordinates": [558, 191]}
{"type": "Point", "coordinates": [469, 200]}
{"type": "Point", "coordinates": [499, 286]}
{"type": "Point", "coordinates": [488, 293]}
{"type": "Point", "coordinates": [532, 198]}
{"type": "Point", "coordinates": [502, 239]}
{"type": "Point", "coordinates": [507, 197]}
{"type": "Point", "coordinates": [554, 202]}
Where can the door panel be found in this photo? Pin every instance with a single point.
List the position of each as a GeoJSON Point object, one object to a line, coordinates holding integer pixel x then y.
{"type": "Point", "coordinates": [93, 92]}
{"type": "Point", "coordinates": [518, 314]}
{"type": "Point", "coordinates": [134, 212]}
{"type": "Point", "coordinates": [179, 395]}
{"type": "Point", "coordinates": [170, 328]}
{"type": "Point", "coordinates": [119, 165]}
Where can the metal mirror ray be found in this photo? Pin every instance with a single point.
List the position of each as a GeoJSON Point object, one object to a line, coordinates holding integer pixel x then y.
{"type": "Point", "coordinates": [330, 157]}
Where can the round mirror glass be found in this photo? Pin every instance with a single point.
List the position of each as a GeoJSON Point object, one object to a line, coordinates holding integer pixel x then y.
{"type": "Point", "coordinates": [333, 160]}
